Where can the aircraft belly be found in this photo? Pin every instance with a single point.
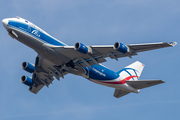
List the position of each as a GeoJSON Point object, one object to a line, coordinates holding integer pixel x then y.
{"type": "Point", "coordinates": [105, 84]}
{"type": "Point", "coordinates": [37, 45]}
{"type": "Point", "coordinates": [27, 39]}
{"type": "Point", "coordinates": [119, 86]}
{"type": "Point", "coordinates": [124, 87]}
{"type": "Point", "coordinates": [40, 47]}
{"type": "Point", "coordinates": [54, 56]}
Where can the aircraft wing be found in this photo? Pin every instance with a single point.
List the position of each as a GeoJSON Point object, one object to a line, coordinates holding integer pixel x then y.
{"type": "Point", "coordinates": [45, 70]}
{"type": "Point", "coordinates": [151, 46]}
{"type": "Point", "coordinates": [44, 73]}
{"type": "Point", "coordinates": [97, 54]}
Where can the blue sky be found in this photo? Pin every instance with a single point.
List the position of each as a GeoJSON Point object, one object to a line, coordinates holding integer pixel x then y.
{"type": "Point", "coordinates": [93, 23]}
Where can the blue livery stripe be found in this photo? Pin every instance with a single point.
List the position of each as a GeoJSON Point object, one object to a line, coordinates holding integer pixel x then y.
{"type": "Point", "coordinates": [32, 31]}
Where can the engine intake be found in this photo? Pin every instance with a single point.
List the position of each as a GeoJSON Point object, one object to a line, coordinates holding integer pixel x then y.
{"type": "Point", "coordinates": [27, 80]}
{"type": "Point", "coordinates": [121, 47]}
{"type": "Point", "coordinates": [82, 48]}
{"type": "Point", "coordinates": [28, 67]}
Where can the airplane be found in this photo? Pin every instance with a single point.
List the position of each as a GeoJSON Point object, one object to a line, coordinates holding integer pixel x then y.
{"type": "Point", "coordinates": [55, 59]}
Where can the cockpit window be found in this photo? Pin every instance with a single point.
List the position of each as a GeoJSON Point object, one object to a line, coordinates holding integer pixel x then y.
{"type": "Point", "coordinates": [26, 21]}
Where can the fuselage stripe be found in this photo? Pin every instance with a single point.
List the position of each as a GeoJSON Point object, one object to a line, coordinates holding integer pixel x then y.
{"type": "Point", "coordinates": [117, 82]}
{"type": "Point", "coordinates": [53, 40]}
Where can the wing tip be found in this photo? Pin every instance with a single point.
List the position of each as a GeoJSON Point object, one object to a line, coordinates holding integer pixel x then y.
{"type": "Point", "coordinates": [162, 81]}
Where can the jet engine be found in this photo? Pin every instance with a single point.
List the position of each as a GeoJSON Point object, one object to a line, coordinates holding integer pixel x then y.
{"type": "Point", "coordinates": [28, 67]}
{"type": "Point", "coordinates": [27, 80]}
{"type": "Point", "coordinates": [82, 48]}
{"type": "Point", "coordinates": [121, 47]}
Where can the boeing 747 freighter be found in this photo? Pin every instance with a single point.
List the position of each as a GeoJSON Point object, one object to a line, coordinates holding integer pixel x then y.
{"type": "Point", "coordinates": [56, 59]}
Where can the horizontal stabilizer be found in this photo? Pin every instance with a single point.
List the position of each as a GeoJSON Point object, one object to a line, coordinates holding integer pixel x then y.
{"type": "Point", "coordinates": [120, 93]}
{"type": "Point", "coordinates": [143, 83]}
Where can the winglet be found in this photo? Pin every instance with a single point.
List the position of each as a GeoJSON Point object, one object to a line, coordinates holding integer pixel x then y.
{"type": "Point", "coordinates": [172, 43]}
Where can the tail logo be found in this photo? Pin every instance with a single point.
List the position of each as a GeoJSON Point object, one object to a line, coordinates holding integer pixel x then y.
{"type": "Point", "coordinates": [129, 71]}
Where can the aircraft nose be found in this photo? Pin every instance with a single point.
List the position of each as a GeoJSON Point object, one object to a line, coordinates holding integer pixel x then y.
{"type": "Point", "coordinates": [5, 22]}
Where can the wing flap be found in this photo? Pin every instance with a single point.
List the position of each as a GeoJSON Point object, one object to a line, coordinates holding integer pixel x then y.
{"type": "Point", "coordinates": [40, 79]}
{"type": "Point", "coordinates": [144, 83]}
{"type": "Point", "coordinates": [44, 73]}
{"type": "Point", "coordinates": [36, 89]}
{"type": "Point", "coordinates": [119, 93]}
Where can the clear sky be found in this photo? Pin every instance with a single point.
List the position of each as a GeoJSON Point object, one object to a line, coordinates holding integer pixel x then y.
{"type": "Point", "coordinates": [93, 22]}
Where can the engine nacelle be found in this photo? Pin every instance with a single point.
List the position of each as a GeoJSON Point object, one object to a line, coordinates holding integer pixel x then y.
{"type": "Point", "coordinates": [82, 48]}
{"type": "Point", "coordinates": [27, 80]}
{"type": "Point", "coordinates": [28, 67]}
{"type": "Point", "coordinates": [121, 47]}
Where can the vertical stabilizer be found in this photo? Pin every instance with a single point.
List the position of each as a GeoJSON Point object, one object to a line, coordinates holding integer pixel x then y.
{"type": "Point", "coordinates": [132, 71]}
